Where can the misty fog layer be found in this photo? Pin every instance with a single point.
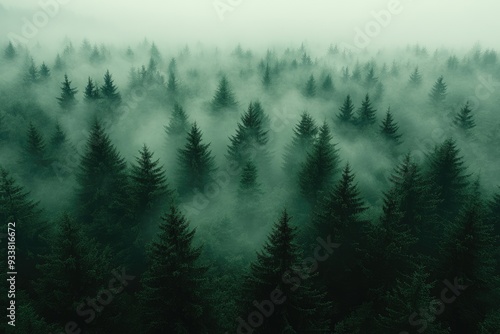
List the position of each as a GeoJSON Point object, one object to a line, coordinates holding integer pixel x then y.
{"type": "Point", "coordinates": [249, 167]}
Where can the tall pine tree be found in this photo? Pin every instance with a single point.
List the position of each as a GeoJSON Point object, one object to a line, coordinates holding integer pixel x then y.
{"type": "Point", "coordinates": [67, 100]}
{"type": "Point", "coordinates": [173, 295]}
{"type": "Point", "coordinates": [302, 308]}
{"type": "Point", "coordinates": [195, 163]}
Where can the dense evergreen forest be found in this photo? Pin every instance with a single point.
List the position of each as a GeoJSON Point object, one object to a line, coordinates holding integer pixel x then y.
{"type": "Point", "coordinates": [201, 190]}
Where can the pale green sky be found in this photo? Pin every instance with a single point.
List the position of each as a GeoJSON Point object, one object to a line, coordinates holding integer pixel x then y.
{"type": "Point", "coordinates": [435, 22]}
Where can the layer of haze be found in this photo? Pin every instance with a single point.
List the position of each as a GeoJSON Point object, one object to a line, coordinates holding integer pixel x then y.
{"type": "Point", "coordinates": [260, 22]}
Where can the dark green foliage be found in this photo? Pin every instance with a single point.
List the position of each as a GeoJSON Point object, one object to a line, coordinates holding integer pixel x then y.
{"type": "Point", "coordinates": [406, 306]}
{"type": "Point", "coordinates": [494, 213]}
{"type": "Point", "coordinates": [310, 88]}
{"type": "Point", "coordinates": [67, 100]}
{"type": "Point", "coordinates": [73, 269]}
{"type": "Point", "coordinates": [464, 119]}
{"type": "Point", "coordinates": [438, 92]}
{"type": "Point", "coordinates": [448, 177]}
{"type": "Point", "coordinates": [109, 91]}
{"type": "Point", "coordinates": [174, 296]}
{"type": "Point", "coordinates": [304, 309]}
{"type": "Point", "coordinates": [16, 207]}
{"type": "Point", "coordinates": [320, 167]}
{"type": "Point", "coordinates": [416, 201]}
{"type": "Point", "coordinates": [340, 209]}
{"type": "Point", "coordinates": [347, 110]}
{"type": "Point", "coordinates": [304, 136]}
{"type": "Point", "coordinates": [91, 92]}
{"type": "Point", "coordinates": [149, 188]}
{"type": "Point", "coordinates": [249, 142]}
{"type": "Point", "coordinates": [390, 246]}
{"type": "Point", "coordinates": [224, 96]}
{"type": "Point", "coordinates": [195, 162]}
{"type": "Point", "coordinates": [178, 125]}
{"type": "Point", "coordinates": [36, 154]}
{"type": "Point", "coordinates": [415, 78]}
{"type": "Point", "coordinates": [10, 52]}
{"type": "Point", "coordinates": [389, 128]}
{"type": "Point", "coordinates": [469, 258]}
{"type": "Point", "coordinates": [366, 114]}
{"type": "Point", "coordinates": [102, 186]}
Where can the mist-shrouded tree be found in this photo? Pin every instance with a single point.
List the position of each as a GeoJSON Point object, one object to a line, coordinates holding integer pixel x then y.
{"type": "Point", "coordinates": [178, 125]}
{"type": "Point", "coordinates": [438, 92]}
{"type": "Point", "coordinates": [449, 179]}
{"type": "Point", "coordinates": [173, 294]}
{"type": "Point", "coordinates": [91, 92]}
{"type": "Point", "coordinates": [44, 72]}
{"type": "Point", "coordinates": [149, 188]}
{"type": "Point", "coordinates": [366, 114]}
{"type": "Point", "coordinates": [10, 52]}
{"type": "Point", "coordinates": [320, 167]}
{"type": "Point", "coordinates": [266, 78]}
{"type": "Point", "coordinates": [404, 303]}
{"type": "Point", "coordinates": [173, 83]}
{"type": "Point", "coordinates": [468, 257]}
{"type": "Point", "coordinates": [302, 308]}
{"type": "Point", "coordinates": [195, 163]}
{"type": "Point", "coordinates": [32, 74]}
{"type": "Point", "coordinates": [327, 84]}
{"type": "Point", "coordinates": [415, 78]}
{"type": "Point", "coordinates": [249, 142]}
{"type": "Point", "coordinates": [67, 100]}
{"type": "Point", "coordinates": [345, 74]}
{"type": "Point", "coordinates": [58, 137]}
{"type": "Point", "coordinates": [35, 147]}
{"type": "Point", "coordinates": [249, 187]}
{"type": "Point", "coordinates": [356, 73]}
{"type": "Point", "coordinates": [370, 79]}
{"type": "Point", "coordinates": [102, 195]}
{"type": "Point", "coordinates": [304, 137]}
{"type": "Point", "coordinates": [346, 110]}
{"type": "Point", "coordinates": [310, 87]}
{"type": "Point", "coordinates": [73, 269]}
{"type": "Point", "coordinates": [464, 119]}
{"type": "Point", "coordinates": [59, 63]}
{"type": "Point", "coordinates": [109, 91]}
{"type": "Point", "coordinates": [389, 128]}
{"type": "Point", "coordinates": [224, 96]}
